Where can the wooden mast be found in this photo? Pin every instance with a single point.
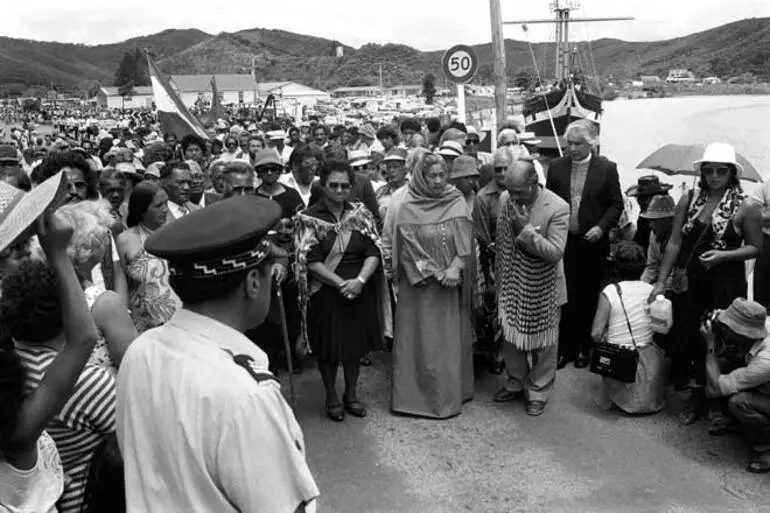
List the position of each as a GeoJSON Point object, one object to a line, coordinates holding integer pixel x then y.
{"type": "Point", "coordinates": [498, 59]}
{"type": "Point", "coordinates": [563, 8]}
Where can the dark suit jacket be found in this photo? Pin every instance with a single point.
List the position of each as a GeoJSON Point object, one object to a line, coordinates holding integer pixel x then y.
{"type": "Point", "coordinates": [602, 201]}
{"type": "Point", "coordinates": [212, 197]}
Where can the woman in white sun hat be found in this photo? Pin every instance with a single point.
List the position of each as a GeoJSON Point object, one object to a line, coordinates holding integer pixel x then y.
{"type": "Point", "coordinates": [715, 231]}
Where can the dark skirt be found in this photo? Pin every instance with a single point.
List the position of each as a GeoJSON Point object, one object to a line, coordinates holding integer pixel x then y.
{"type": "Point", "coordinates": [342, 330]}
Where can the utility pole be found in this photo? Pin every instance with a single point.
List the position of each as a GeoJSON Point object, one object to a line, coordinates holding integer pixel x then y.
{"type": "Point", "coordinates": [498, 56]}
{"type": "Point", "coordinates": [381, 89]}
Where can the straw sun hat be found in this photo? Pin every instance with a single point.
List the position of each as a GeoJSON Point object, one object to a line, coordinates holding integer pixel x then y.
{"type": "Point", "coordinates": [19, 209]}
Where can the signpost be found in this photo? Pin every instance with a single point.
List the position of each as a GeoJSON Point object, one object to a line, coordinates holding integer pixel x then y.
{"type": "Point", "coordinates": [459, 64]}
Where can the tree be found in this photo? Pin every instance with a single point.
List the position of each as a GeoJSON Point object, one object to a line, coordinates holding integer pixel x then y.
{"type": "Point", "coordinates": [720, 67]}
{"type": "Point", "coordinates": [132, 68]}
{"type": "Point", "coordinates": [429, 88]}
{"type": "Point", "coordinates": [524, 78]}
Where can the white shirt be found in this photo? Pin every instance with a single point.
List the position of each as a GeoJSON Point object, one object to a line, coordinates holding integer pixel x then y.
{"type": "Point", "coordinates": [177, 210]}
{"type": "Point", "coordinates": [288, 180]}
{"type": "Point", "coordinates": [635, 294]}
{"type": "Point", "coordinates": [198, 433]}
{"type": "Point", "coordinates": [36, 489]}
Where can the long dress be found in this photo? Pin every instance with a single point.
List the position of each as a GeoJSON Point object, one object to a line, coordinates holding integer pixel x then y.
{"type": "Point", "coordinates": [151, 300]}
{"type": "Point", "coordinates": [339, 329]}
{"type": "Point", "coordinates": [709, 289]}
{"type": "Point", "coordinates": [433, 342]}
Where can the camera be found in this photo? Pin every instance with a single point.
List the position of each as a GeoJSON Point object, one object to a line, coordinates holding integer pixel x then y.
{"type": "Point", "coordinates": [709, 319]}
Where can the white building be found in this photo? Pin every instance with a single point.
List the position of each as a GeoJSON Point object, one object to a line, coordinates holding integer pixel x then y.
{"type": "Point", "coordinates": [110, 98]}
{"type": "Point", "coordinates": [292, 98]}
{"type": "Point", "coordinates": [235, 89]}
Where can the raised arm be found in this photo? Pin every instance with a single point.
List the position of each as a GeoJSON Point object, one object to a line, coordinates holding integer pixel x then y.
{"type": "Point", "coordinates": [80, 331]}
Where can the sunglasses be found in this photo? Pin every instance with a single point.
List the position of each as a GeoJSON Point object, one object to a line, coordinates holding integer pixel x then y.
{"type": "Point", "coordinates": [500, 169]}
{"type": "Point", "coordinates": [339, 185]}
{"type": "Point", "coordinates": [715, 170]}
{"type": "Point", "coordinates": [268, 169]}
{"type": "Point", "coordinates": [472, 141]}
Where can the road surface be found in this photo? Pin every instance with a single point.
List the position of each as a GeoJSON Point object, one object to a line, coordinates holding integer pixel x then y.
{"type": "Point", "coordinates": [494, 458]}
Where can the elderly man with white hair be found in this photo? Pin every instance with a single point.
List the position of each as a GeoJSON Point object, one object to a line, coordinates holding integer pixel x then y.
{"type": "Point", "coordinates": [589, 184]}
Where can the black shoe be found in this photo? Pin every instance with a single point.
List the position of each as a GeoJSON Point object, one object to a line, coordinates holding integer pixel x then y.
{"type": "Point", "coordinates": [563, 361]}
{"type": "Point", "coordinates": [504, 396]}
{"type": "Point", "coordinates": [535, 408]}
{"type": "Point", "coordinates": [582, 362]}
{"type": "Point", "coordinates": [497, 367]}
{"type": "Point", "coordinates": [335, 412]}
{"type": "Point", "coordinates": [365, 361]}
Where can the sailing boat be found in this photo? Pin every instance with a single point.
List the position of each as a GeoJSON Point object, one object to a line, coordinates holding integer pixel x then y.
{"type": "Point", "coordinates": [547, 113]}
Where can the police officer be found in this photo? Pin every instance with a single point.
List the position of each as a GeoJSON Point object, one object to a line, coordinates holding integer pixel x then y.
{"type": "Point", "coordinates": [202, 424]}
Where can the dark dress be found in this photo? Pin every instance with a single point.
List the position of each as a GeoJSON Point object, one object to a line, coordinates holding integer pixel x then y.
{"type": "Point", "coordinates": [340, 329]}
{"type": "Point", "coordinates": [289, 200]}
{"type": "Point", "coordinates": [708, 289]}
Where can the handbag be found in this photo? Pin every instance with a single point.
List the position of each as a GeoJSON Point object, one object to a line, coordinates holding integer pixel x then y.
{"type": "Point", "coordinates": [613, 361]}
{"type": "Point", "coordinates": [680, 281]}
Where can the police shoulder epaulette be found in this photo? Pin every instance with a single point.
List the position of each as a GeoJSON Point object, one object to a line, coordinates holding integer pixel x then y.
{"type": "Point", "coordinates": [247, 362]}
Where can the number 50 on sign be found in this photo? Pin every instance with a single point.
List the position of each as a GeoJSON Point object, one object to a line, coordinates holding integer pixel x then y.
{"type": "Point", "coordinates": [460, 63]}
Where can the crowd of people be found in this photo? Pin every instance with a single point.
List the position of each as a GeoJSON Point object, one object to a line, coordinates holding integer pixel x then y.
{"type": "Point", "coordinates": [141, 336]}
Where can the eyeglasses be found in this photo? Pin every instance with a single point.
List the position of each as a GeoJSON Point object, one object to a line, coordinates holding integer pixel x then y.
{"type": "Point", "coordinates": [339, 185]}
{"type": "Point", "coordinates": [472, 141]}
{"type": "Point", "coordinates": [715, 170]}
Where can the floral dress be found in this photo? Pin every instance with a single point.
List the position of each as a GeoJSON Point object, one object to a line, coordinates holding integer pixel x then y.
{"type": "Point", "coordinates": [151, 300]}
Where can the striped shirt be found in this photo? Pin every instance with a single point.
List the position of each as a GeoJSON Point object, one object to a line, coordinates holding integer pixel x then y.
{"type": "Point", "coordinates": [83, 422]}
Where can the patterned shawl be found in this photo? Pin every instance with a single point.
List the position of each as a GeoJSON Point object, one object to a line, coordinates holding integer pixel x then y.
{"type": "Point", "coordinates": [309, 231]}
{"type": "Point", "coordinates": [527, 289]}
{"type": "Point", "coordinates": [728, 206]}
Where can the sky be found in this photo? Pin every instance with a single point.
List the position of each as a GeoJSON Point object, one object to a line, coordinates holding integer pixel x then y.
{"type": "Point", "coordinates": [423, 24]}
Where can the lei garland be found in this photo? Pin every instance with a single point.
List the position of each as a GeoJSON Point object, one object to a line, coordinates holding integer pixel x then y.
{"type": "Point", "coordinates": [308, 231]}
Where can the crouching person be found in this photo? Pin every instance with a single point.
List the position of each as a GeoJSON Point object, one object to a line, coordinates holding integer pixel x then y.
{"type": "Point", "coordinates": [737, 340]}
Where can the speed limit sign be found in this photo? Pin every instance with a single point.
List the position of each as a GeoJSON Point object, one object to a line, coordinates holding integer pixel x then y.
{"type": "Point", "coordinates": [460, 63]}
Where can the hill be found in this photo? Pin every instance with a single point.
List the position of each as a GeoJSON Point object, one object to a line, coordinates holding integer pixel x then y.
{"type": "Point", "coordinates": [731, 49]}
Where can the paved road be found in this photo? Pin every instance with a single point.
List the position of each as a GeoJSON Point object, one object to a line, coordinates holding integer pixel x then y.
{"type": "Point", "coordinates": [494, 458]}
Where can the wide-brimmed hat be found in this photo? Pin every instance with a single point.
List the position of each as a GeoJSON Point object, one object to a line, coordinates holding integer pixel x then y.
{"type": "Point", "coordinates": [8, 154]}
{"type": "Point", "coordinates": [661, 207]}
{"type": "Point", "coordinates": [19, 209]}
{"type": "Point", "coordinates": [267, 157]}
{"type": "Point", "coordinates": [154, 169]}
{"type": "Point", "coordinates": [358, 158]}
{"type": "Point", "coordinates": [722, 153]}
{"type": "Point", "coordinates": [276, 135]}
{"type": "Point", "coordinates": [127, 168]}
{"type": "Point", "coordinates": [368, 132]}
{"type": "Point", "coordinates": [745, 318]}
{"type": "Point", "coordinates": [649, 185]}
{"type": "Point", "coordinates": [471, 130]}
{"type": "Point", "coordinates": [450, 149]}
{"type": "Point", "coordinates": [397, 154]}
{"type": "Point", "coordinates": [528, 138]}
{"type": "Point", "coordinates": [464, 166]}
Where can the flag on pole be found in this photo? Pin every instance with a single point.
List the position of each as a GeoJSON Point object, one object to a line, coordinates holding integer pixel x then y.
{"type": "Point", "coordinates": [173, 116]}
{"type": "Point", "coordinates": [216, 107]}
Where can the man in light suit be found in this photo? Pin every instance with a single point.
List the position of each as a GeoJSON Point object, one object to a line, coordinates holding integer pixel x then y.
{"type": "Point", "coordinates": [589, 184]}
{"type": "Point", "coordinates": [531, 238]}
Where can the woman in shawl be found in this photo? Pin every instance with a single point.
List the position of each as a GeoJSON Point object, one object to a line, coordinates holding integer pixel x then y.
{"type": "Point", "coordinates": [429, 241]}
{"type": "Point", "coordinates": [715, 231]}
{"type": "Point", "coordinates": [340, 289]}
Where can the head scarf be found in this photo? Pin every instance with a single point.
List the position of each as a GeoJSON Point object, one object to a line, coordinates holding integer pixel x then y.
{"type": "Point", "coordinates": [425, 205]}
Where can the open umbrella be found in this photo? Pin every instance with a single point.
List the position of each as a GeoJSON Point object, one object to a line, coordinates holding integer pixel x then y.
{"type": "Point", "coordinates": [677, 159]}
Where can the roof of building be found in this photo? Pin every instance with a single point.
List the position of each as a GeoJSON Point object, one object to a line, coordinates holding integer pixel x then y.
{"type": "Point", "coordinates": [138, 91]}
{"type": "Point", "coordinates": [288, 88]}
{"type": "Point", "coordinates": [354, 89]}
{"type": "Point", "coordinates": [202, 83]}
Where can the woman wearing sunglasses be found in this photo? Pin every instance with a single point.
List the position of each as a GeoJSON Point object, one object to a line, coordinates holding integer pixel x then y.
{"type": "Point", "coordinates": [715, 231]}
{"type": "Point", "coordinates": [343, 298]}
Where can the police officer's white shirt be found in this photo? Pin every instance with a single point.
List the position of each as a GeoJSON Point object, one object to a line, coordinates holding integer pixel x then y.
{"type": "Point", "coordinates": [198, 433]}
